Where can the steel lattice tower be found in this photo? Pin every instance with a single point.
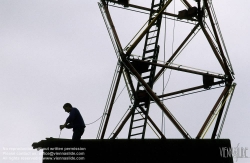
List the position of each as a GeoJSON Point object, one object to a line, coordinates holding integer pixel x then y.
{"type": "Point", "coordinates": [144, 68]}
{"type": "Point", "coordinates": [140, 74]}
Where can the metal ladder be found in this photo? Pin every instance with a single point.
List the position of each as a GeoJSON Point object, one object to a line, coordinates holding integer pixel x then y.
{"type": "Point", "coordinates": [141, 105]}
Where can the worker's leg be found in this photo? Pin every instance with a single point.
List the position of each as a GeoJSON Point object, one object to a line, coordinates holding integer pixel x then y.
{"type": "Point", "coordinates": [77, 134]}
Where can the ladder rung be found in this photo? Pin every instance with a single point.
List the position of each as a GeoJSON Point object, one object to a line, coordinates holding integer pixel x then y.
{"type": "Point", "coordinates": [149, 51]}
{"type": "Point", "coordinates": [145, 77]}
{"type": "Point", "coordinates": [136, 134]}
{"type": "Point", "coordinates": [151, 44]}
{"type": "Point", "coordinates": [148, 57]}
{"type": "Point", "coordinates": [152, 37]}
{"type": "Point", "coordinates": [137, 127]}
{"type": "Point", "coordinates": [138, 119]}
{"type": "Point", "coordinates": [153, 31]}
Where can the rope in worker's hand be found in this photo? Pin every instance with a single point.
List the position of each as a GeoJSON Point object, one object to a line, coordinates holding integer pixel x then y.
{"type": "Point", "coordinates": [86, 124]}
{"type": "Point", "coordinates": [60, 133]}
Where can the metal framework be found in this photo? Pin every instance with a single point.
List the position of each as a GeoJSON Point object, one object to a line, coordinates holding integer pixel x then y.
{"type": "Point", "coordinates": [143, 68]}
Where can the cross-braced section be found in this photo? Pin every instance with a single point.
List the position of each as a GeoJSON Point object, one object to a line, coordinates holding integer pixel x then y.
{"type": "Point", "coordinates": [141, 72]}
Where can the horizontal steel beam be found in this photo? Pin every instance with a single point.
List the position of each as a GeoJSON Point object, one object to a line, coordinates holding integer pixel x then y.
{"type": "Point", "coordinates": [148, 9]}
{"type": "Point", "coordinates": [180, 69]}
{"type": "Point", "coordinates": [187, 90]}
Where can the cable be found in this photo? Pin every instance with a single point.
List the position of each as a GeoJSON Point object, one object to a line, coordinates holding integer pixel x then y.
{"type": "Point", "coordinates": [85, 124]}
{"type": "Point", "coordinates": [163, 81]}
{"type": "Point", "coordinates": [95, 120]}
{"type": "Point", "coordinates": [120, 94]}
{"type": "Point", "coordinates": [173, 31]}
{"type": "Point", "coordinates": [163, 120]}
{"type": "Point", "coordinates": [172, 50]}
{"type": "Point", "coordinates": [168, 79]}
{"type": "Point", "coordinates": [106, 113]}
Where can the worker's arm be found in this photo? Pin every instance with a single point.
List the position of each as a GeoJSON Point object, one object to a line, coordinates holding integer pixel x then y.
{"type": "Point", "coordinates": [67, 124]}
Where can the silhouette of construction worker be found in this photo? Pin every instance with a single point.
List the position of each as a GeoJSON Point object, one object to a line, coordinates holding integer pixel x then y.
{"type": "Point", "coordinates": [74, 121]}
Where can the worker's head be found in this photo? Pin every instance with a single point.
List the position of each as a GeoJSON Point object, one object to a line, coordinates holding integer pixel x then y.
{"type": "Point", "coordinates": [67, 107]}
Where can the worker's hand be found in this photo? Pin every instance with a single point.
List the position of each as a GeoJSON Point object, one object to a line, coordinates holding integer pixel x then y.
{"type": "Point", "coordinates": [62, 127]}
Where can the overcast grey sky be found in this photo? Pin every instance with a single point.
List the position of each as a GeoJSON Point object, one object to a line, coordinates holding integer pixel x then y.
{"type": "Point", "coordinates": [58, 51]}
